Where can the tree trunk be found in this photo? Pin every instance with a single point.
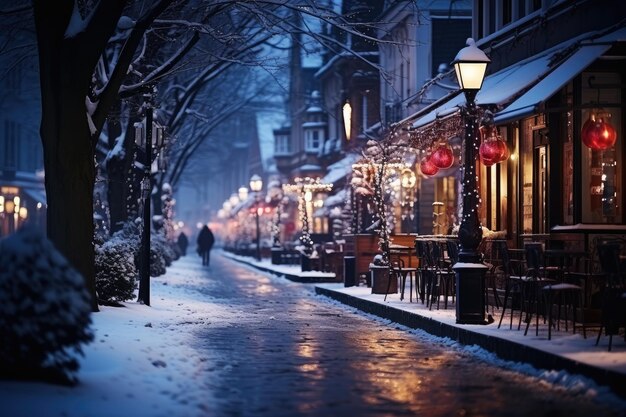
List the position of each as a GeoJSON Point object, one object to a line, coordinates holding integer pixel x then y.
{"type": "Point", "coordinates": [66, 65]}
{"type": "Point", "coordinates": [70, 176]}
{"type": "Point", "coordinates": [119, 177]}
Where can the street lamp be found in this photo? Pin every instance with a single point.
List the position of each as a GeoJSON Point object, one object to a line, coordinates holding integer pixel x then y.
{"type": "Point", "coordinates": [470, 65]}
{"type": "Point", "coordinates": [143, 139]}
{"type": "Point", "coordinates": [256, 184]}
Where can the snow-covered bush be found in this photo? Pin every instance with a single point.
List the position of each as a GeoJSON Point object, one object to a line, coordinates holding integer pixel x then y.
{"type": "Point", "coordinates": [44, 310]}
{"type": "Point", "coordinates": [157, 261]}
{"type": "Point", "coordinates": [116, 274]}
{"type": "Point", "coordinates": [162, 246]}
{"type": "Point", "coordinates": [178, 252]}
{"type": "Point", "coordinates": [130, 234]}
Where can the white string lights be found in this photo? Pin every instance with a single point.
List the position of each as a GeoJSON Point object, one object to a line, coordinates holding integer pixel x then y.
{"type": "Point", "coordinates": [304, 188]}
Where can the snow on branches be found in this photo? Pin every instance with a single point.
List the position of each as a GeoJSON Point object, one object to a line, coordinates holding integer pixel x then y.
{"type": "Point", "coordinates": [369, 179]}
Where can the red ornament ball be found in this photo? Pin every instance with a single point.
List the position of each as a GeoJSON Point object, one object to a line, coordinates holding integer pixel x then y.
{"type": "Point", "coordinates": [493, 150]}
{"type": "Point", "coordinates": [598, 134]}
{"type": "Point", "coordinates": [442, 158]}
{"type": "Point", "coordinates": [487, 162]}
{"type": "Point", "coordinates": [427, 167]}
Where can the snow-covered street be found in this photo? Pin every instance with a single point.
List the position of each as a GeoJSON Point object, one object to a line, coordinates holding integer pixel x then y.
{"type": "Point", "coordinates": [229, 341]}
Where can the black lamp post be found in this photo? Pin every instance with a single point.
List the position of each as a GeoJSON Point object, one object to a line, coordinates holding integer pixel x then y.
{"type": "Point", "coordinates": [143, 138]}
{"type": "Point", "coordinates": [256, 184]}
{"type": "Point", "coordinates": [470, 65]}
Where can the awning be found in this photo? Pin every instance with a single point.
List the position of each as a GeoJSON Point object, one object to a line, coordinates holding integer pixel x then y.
{"type": "Point", "coordinates": [531, 101]}
{"type": "Point", "coordinates": [524, 86]}
{"type": "Point", "coordinates": [498, 89]}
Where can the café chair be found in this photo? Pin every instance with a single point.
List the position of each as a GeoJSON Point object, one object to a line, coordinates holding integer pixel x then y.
{"type": "Point", "coordinates": [510, 271]}
{"type": "Point", "coordinates": [613, 315]}
{"type": "Point", "coordinates": [401, 273]}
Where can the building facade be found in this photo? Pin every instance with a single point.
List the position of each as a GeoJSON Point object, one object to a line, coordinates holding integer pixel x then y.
{"type": "Point", "coordinates": [557, 69]}
{"type": "Point", "coordinates": [22, 191]}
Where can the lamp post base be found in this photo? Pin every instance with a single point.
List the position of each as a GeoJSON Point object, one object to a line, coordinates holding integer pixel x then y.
{"type": "Point", "coordinates": [470, 292]}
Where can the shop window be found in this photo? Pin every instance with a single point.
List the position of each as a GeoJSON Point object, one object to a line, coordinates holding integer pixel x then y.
{"type": "Point", "coordinates": [532, 174]}
{"type": "Point", "coordinates": [568, 161]}
{"type": "Point", "coordinates": [526, 160]}
{"type": "Point", "coordinates": [602, 170]}
{"type": "Point", "coordinates": [494, 184]}
{"type": "Point", "coordinates": [445, 207]}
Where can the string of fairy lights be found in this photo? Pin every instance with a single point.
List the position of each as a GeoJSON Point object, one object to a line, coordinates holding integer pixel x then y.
{"type": "Point", "coordinates": [304, 188]}
{"type": "Point", "coordinates": [427, 137]}
{"type": "Point", "coordinates": [471, 179]}
{"type": "Point", "coordinates": [275, 226]}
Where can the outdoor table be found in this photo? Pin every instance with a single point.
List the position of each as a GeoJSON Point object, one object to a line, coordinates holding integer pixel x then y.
{"type": "Point", "coordinates": [405, 251]}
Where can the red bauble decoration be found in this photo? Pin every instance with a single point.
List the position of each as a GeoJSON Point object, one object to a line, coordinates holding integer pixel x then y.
{"type": "Point", "coordinates": [442, 158]}
{"type": "Point", "coordinates": [607, 136]}
{"type": "Point", "coordinates": [487, 162]}
{"type": "Point", "coordinates": [427, 167]}
{"type": "Point", "coordinates": [506, 153]}
{"type": "Point", "coordinates": [492, 150]}
{"type": "Point", "coordinates": [587, 126]}
{"type": "Point", "coordinates": [597, 133]}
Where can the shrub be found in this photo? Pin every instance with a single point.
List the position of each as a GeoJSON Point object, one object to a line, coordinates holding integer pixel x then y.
{"type": "Point", "coordinates": [130, 234]}
{"type": "Point", "coordinates": [159, 244]}
{"type": "Point", "coordinates": [45, 310]}
{"type": "Point", "coordinates": [116, 274]}
{"type": "Point", "coordinates": [157, 261]}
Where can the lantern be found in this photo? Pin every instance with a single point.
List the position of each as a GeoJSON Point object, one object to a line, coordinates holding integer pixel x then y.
{"type": "Point", "coordinates": [442, 157]}
{"type": "Point", "coordinates": [427, 167]}
{"type": "Point", "coordinates": [597, 133]}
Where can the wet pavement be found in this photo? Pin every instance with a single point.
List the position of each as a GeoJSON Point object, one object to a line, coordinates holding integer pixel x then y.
{"type": "Point", "coordinates": [276, 349]}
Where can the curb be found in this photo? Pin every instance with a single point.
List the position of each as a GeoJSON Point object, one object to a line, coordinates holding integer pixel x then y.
{"type": "Point", "coordinates": [309, 279]}
{"type": "Point", "coordinates": [503, 348]}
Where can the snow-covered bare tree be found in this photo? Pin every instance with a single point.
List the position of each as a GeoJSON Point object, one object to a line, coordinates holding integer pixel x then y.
{"type": "Point", "coordinates": [87, 54]}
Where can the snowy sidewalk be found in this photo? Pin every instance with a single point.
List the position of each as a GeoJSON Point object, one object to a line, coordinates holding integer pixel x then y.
{"type": "Point", "coordinates": [566, 351]}
{"type": "Point", "coordinates": [141, 362]}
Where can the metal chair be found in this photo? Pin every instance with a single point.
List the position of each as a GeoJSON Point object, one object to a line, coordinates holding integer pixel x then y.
{"type": "Point", "coordinates": [401, 273]}
{"type": "Point", "coordinates": [514, 279]}
{"type": "Point", "coordinates": [445, 276]}
{"type": "Point", "coordinates": [428, 271]}
{"type": "Point", "coordinates": [614, 292]}
{"type": "Point", "coordinates": [535, 279]}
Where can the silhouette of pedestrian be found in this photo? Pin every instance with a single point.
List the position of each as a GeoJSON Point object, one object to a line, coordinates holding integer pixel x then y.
{"type": "Point", "coordinates": [183, 242]}
{"type": "Point", "coordinates": [205, 243]}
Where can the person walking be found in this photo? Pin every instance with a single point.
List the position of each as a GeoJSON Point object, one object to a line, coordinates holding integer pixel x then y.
{"type": "Point", "coordinates": [182, 243]}
{"type": "Point", "coordinates": [205, 243]}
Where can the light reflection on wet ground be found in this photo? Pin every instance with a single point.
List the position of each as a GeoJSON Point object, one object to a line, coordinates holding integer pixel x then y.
{"type": "Point", "coordinates": [285, 352]}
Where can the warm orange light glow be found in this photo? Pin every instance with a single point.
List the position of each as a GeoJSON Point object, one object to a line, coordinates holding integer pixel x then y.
{"type": "Point", "coordinates": [347, 118]}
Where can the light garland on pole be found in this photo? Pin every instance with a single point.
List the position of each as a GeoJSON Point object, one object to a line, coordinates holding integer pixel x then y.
{"type": "Point", "coordinates": [370, 178]}
{"type": "Point", "coordinates": [304, 187]}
